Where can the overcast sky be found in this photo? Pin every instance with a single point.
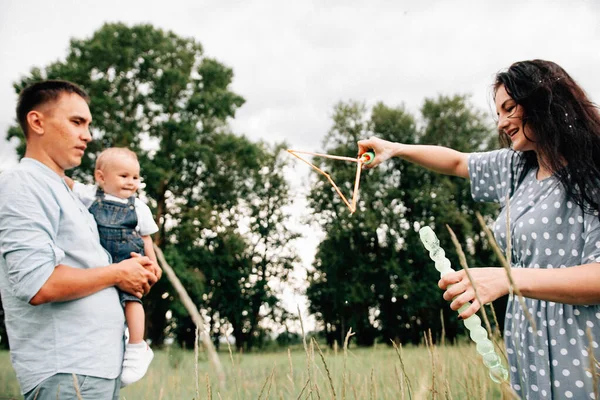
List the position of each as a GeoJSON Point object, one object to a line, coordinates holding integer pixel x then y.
{"type": "Point", "coordinates": [293, 60]}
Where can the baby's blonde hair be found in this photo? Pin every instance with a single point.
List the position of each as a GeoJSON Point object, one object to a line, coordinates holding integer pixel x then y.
{"type": "Point", "coordinates": [110, 154]}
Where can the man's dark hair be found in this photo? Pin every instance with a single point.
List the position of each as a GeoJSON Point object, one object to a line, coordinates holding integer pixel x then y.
{"type": "Point", "coordinates": [41, 93]}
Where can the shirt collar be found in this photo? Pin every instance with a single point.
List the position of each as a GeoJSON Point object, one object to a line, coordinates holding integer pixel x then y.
{"type": "Point", "coordinates": [34, 165]}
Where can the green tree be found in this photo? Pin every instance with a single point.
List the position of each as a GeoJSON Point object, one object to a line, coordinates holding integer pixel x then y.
{"type": "Point", "coordinates": [248, 250]}
{"type": "Point", "coordinates": [341, 291]}
{"type": "Point", "coordinates": [383, 284]}
{"type": "Point", "coordinates": [158, 94]}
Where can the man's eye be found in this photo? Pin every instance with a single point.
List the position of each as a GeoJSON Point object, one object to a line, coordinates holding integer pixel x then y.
{"type": "Point", "coordinates": [77, 122]}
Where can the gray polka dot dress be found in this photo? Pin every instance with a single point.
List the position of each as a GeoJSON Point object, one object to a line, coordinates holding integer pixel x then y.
{"type": "Point", "coordinates": [549, 360]}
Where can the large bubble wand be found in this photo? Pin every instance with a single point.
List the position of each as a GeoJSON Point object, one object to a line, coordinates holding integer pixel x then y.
{"type": "Point", "coordinates": [478, 334]}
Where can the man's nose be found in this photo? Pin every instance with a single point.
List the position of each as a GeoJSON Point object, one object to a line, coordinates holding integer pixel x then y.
{"type": "Point", "coordinates": [87, 135]}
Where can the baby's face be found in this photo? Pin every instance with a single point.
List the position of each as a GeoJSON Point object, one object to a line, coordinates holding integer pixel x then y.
{"type": "Point", "coordinates": [121, 177]}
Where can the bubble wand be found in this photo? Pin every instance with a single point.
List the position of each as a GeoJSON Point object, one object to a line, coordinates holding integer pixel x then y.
{"type": "Point", "coordinates": [478, 334]}
{"type": "Point", "coordinates": [364, 159]}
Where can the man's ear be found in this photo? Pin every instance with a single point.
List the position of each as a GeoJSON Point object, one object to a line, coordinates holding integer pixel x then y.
{"type": "Point", "coordinates": [35, 123]}
{"type": "Point", "coordinates": [99, 177]}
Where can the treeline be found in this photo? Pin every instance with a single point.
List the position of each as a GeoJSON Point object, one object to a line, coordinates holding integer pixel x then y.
{"type": "Point", "coordinates": [221, 201]}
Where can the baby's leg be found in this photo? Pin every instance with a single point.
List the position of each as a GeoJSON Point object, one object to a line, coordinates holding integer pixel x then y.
{"type": "Point", "coordinates": [138, 354]}
{"type": "Point", "coordinates": [135, 317]}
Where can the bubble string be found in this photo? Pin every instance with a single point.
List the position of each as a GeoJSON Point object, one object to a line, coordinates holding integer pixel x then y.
{"type": "Point", "coordinates": [364, 159]}
{"type": "Point", "coordinates": [478, 333]}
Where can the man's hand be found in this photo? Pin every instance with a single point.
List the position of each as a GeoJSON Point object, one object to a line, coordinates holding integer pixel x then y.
{"type": "Point", "coordinates": [152, 266]}
{"type": "Point", "coordinates": [135, 275]}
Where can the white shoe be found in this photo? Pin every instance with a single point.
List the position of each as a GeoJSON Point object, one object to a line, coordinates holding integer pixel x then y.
{"type": "Point", "coordinates": [135, 362]}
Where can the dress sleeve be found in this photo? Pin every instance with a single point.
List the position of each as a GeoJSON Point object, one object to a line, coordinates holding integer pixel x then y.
{"type": "Point", "coordinates": [86, 193]}
{"type": "Point", "coordinates": [493, 174]}
{"type": "Point", "coordinates": [27, 235]}
{"type": "Point", "coordinates": [146, 223]}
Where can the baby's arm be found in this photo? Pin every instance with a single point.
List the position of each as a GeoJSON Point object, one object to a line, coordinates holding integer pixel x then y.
{"type": "Point", "coordinates": [86, 193]}
{"type": "Point", "coordinates": [149, 248]}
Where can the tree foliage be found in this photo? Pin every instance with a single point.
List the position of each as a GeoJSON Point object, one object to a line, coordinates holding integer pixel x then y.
{"type": "Point", "coordinates": [217, 197]}
{"type": "Point", "coordinates": [371, 272]}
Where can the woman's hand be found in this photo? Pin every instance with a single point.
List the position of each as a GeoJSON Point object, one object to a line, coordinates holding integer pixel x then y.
{"type": "Point", "coordinates": [382, 148]}
{"type": "Point", "coordinates": [491, 284]}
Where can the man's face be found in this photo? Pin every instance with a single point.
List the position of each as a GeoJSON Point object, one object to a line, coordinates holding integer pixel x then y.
{"type": "Point", "coordinates": [66, 133]}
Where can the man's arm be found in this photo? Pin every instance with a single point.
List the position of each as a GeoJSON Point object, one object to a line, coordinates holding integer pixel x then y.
{"type": "Point", "coordinates": [34, 264]}
{"type": "Point", "coordinates": [68, 283]}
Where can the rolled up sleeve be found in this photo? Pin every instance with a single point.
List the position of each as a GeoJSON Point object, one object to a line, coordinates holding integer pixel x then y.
{"type": "Point", "coordinates": [27, 238]}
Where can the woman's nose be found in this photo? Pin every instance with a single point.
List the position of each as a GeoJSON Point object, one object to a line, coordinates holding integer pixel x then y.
{"type": "Point", "coordinates": [502, 123]}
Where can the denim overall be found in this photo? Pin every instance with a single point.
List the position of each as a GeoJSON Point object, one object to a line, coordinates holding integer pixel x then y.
{"type": "Point", "coordinates": [116, 226]}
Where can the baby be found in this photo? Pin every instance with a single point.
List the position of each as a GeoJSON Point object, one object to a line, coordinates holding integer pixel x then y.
{"type": "Point", "coordinates": [125, 224]}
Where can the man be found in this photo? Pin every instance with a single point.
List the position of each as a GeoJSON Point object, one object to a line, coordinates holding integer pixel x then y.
{"type": "Point", "coordinates": [63, 317]}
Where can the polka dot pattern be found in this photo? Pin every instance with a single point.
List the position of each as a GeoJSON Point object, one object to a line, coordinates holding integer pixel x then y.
{"type": "Point", "coordinates": [547, 360]}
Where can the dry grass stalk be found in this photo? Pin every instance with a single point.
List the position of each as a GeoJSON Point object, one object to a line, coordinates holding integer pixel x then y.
{"type": "Point", "coordinates": [76, 385]}
{"type": "Point", "coordinates": [593, 362]}
{"type": "Point", "coordinates": [443, 333]}
{"type": "Point", "coordinates": [354, 391]}
{"type": "Point", "coordinates": [429, 345]}
{"type": "Point", "coordinates": [264, 386]}
{"type": "Point", "coordinates": [308, 363]}
{"type": "Point", "coordinates": [349, 334]}
{"type": "Point", "coordinates": [468, 381]}
{"type": "Point", "coordinates": [508, 392]}
{"type": "Point", "coordinates": [197, 378]}
{"type": "Point", "coordinates": [291, 374]}
{"type": "Point", "coordinates": [303, 389]}
{"type": "Point", "coordinates": [503, 259]}
{"type": "Point", "coordinates": [208, 388]}
{"type": "Point", "coordinates": [194, 314]}
{"type": "Point", "coordinates": [399, 353]}
{"type": "Point", "coordinates": [399, 381]}
{"type": "Point", "coordinates": [326, 368]}
{"type": "Point", "coordinates": [271, 382]}
{"type": "Point", "coordinates": [162, 392]}
{"type": "Point", "coordinates": [496, 324]}
{"type": "Point", "coordinates": [447, 390]}
{"type": "Point", "coordinates": [234, 369]}
{"type": "Point", "coordinates": [373, 391]}
{"type": "Point", "coordinates": [316, 388]}
{"type": "Point", "coordinates": [463, 262]}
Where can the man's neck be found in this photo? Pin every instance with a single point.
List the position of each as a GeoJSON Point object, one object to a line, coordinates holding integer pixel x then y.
{"type": "Point", "coordinates": [45, 159]}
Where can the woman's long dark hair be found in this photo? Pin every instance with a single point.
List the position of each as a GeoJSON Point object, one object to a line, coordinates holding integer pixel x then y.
{"type": "Point", "coordinates": [566, 125]}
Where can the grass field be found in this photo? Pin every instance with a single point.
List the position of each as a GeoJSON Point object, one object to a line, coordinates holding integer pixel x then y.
{"type": "Point", "coordinates": [380, 372]}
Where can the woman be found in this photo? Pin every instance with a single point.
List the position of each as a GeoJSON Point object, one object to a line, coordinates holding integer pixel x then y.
{"type": "Point", "coordinates": [552, 175]}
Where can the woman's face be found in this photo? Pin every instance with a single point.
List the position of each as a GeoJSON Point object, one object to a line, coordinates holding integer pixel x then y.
{"type": "Point", "coordinates": [510, 121]}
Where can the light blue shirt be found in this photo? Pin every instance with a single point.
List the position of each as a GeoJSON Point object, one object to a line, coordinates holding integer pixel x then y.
{"type": "Point", "coordinates": [43, 224]}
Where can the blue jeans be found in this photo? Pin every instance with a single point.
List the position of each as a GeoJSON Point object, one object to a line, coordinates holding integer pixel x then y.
{"type": "Point", "coordinates": [62, 387]}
